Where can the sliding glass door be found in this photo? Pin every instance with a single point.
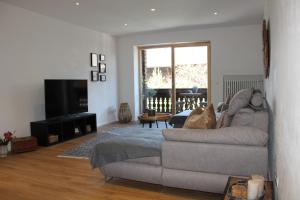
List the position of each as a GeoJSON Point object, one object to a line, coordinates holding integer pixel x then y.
{"type": "Point", "coordinates": [157, 79]}
{"type": "Point", "coordinates": [174, 78]}
{"type": "Point", "coordinates": [191, 77]}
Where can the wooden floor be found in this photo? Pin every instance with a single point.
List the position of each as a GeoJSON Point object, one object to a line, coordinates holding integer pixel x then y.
{"type": "Point", "coordinates": [41, 175]}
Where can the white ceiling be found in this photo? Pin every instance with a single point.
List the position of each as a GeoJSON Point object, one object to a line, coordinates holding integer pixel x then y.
{"type": "Point", "coordinates": [110, 15]}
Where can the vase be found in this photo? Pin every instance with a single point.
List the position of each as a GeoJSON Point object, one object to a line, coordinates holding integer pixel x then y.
{"type": "Point", "coordinates": [3, 151]}
{"type": "Point", "coordinates": [9, 146]}
{"type": "Point", "coordinates": [125, 115]}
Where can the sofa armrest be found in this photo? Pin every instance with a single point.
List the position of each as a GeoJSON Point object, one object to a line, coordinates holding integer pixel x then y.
{"type": "Point", "coordinates": [229, 135]}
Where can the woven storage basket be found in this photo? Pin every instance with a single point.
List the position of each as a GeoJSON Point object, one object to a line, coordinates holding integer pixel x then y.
{"type": "Point", "coordinates": [24, 144]}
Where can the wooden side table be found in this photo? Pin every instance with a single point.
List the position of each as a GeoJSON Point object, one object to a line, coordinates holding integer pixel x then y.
{"type": "Point", "coordinates": [145, 118]}
{"type": "Point", "coordinates": [232, 180]}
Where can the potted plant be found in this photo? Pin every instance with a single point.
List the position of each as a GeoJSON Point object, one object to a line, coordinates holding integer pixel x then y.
{"type": "Point", "coordinates": [4, 142]}
{"type": "Point", "coordinates": [150, 92]}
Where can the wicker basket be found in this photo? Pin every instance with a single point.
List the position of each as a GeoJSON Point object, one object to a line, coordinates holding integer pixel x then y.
{"type": "Point", "coordinates": [125, 115]}
{"type": "Point", "coordinates": [24, 144]}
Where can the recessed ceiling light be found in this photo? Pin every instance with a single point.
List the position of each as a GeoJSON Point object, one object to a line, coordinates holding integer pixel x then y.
{"type": "Point", "coordinates": [153, 9]}
{"type": "Point", "coordinates": [125, 24]}
{"type": "Point", "coordinates": [77, 3]}
{"type": "Point", "coordinates": [216, 12]}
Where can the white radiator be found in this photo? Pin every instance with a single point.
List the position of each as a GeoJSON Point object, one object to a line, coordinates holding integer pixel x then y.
{"type": "Point", "coordinates": [233, 83]}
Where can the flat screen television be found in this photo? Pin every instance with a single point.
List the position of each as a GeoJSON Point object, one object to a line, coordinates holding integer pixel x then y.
{"type": "Point", "coordinates": [65, 97]}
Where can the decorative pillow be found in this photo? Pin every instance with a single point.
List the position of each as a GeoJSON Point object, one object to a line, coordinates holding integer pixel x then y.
{"type": "Point", "coordinates": [239, 100]}
{"type": "Point", "coordinates": [257, 100]}
{"type": "Point", "coordinates": [201, 119]}
{"type": "Point", "coordinates": [224, 105]}
{"type": "Point", "coordinates": [219, 107]}
{"type": "Point", "coordinates": [196, 111]}
{"type": "Point", "coordinates": [227, 101]}
{"type": "Point", "coordinates": [224, 120]}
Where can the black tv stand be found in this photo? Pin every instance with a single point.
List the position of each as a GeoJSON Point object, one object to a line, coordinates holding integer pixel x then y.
{"type": "Point", "coordinates": [63, 128]}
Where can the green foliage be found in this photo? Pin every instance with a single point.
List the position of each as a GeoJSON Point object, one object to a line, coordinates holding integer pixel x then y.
{"type": "Point", "coordinates": [186, 76]}
{"type": "Point", "coordinates": [158, 80]}
{"type": "Point", "coordinates": [150, 92]}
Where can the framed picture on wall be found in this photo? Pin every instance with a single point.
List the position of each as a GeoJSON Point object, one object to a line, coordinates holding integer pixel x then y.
{"type": "Point", "coordinates": [102, 57]}
{"type": "Point", "coordinates": [94, 76]}
{"type": "Point", "coordinates": [94, 60]}
{"type": "Point", "coordinates": [102, 78]}
{"type": "Point", "coordinates": [102, 68]}
{"type": "Point", "coordinates": [266, 48]}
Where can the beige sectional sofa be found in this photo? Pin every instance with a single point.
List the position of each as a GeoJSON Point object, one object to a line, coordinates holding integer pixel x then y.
{"type": "Point", "coordinates": [203, 159]}
{"type": "Point", "coordinates": [199, 159]}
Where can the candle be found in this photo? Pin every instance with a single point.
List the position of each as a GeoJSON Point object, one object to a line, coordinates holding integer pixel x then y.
{"type": "Point", "coordinates": [253, 177]}
{"type": "Point", "coordinates": [261, 183]}
{"type": "Point", "coordinates": [252, 190]}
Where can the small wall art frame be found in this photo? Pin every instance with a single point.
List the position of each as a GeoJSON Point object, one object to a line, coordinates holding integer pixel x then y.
{"type": "Point", "coordinates": [102, 78]}
{"type": "Point", "coordinates": [101, 57]}
{"type": "Point", "coordinates": [94, 76]}
{"type": "Point", "coordinates": [102, 68]}
{"type": "Point", "coordinates": [94, 59]}
{"type": "Point", "coordinates": [266, 47]}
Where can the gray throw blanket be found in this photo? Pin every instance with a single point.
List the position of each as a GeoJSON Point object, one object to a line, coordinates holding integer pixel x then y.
{"type": "Point", "coordinates": [126, 143]}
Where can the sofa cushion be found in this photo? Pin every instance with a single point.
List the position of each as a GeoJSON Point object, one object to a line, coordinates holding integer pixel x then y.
{"type": "Point", "coordinates": [244, 117]}
{"type": "Point", "coordinates": [226, 104]}
{"type": "Point", "coordinates": [230, 135]}
{"type": "Point", "coordinates": [194, 180]}
{"type": "Point", "coordinates": [239, 100]}
{"type": "Point", "coordinates": [248, 117]}
{"type": "Point", "coordinates": [215, 158]}
{"type": "Point", "coordinates": [193, 119]}
{"type": "Point", "coordinates": [201, 119]}
{"type": "Point", "coordinates": [224, 120]}
{"type": "Point", "coordinates": [219, 107]}
{"type": "Point", "coordinates": [257, 101]}
{"type": "Point", "coordinates": [133, 171]}
{"type": "Point", "coordinates": [223, 106]}
{"type": "Point", "coordinates": [154, 160]}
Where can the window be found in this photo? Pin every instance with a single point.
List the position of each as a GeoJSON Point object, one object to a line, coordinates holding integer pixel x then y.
{"type": "Point", "coordinates": [175, 77]}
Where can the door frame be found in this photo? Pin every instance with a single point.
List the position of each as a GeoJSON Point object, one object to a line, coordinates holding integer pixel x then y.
{"type": "Point", "coordinates": [173, 46]}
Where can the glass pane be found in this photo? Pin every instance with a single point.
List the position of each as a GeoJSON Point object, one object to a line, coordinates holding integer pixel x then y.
{"type": "Point", "coordinates": [158, 71]}
{"type": "Point", "coordinates": [191, 77]}
{"type": "Point", "coordinates": [157, 79]}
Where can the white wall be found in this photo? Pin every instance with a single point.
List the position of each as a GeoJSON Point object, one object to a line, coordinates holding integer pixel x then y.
{"type": "Point", "coordinates": [34, 47]}
{"type": "Point", "coordinates": [283, 95]}
{"type": "Point", "coordinates": [235, 50]}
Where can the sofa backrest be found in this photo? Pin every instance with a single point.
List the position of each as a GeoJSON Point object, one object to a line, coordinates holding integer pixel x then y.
{"type": "Point", "coordinates": [249, 117]}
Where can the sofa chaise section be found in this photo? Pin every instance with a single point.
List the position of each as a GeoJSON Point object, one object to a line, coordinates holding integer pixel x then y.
{"type": "Point", "coordinates": [138, 170]}
{"type": "Point", "coordinates": [204, 159]}
{"type": "Point", "coordinates": [199, 159]}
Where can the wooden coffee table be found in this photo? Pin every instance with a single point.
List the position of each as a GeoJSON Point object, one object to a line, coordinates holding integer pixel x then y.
{"type": "Point", "coordinates": [145, 118]}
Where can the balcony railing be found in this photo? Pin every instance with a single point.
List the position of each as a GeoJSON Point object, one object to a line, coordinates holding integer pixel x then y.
{"type": "Point", "coordinates": [162, 102]}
